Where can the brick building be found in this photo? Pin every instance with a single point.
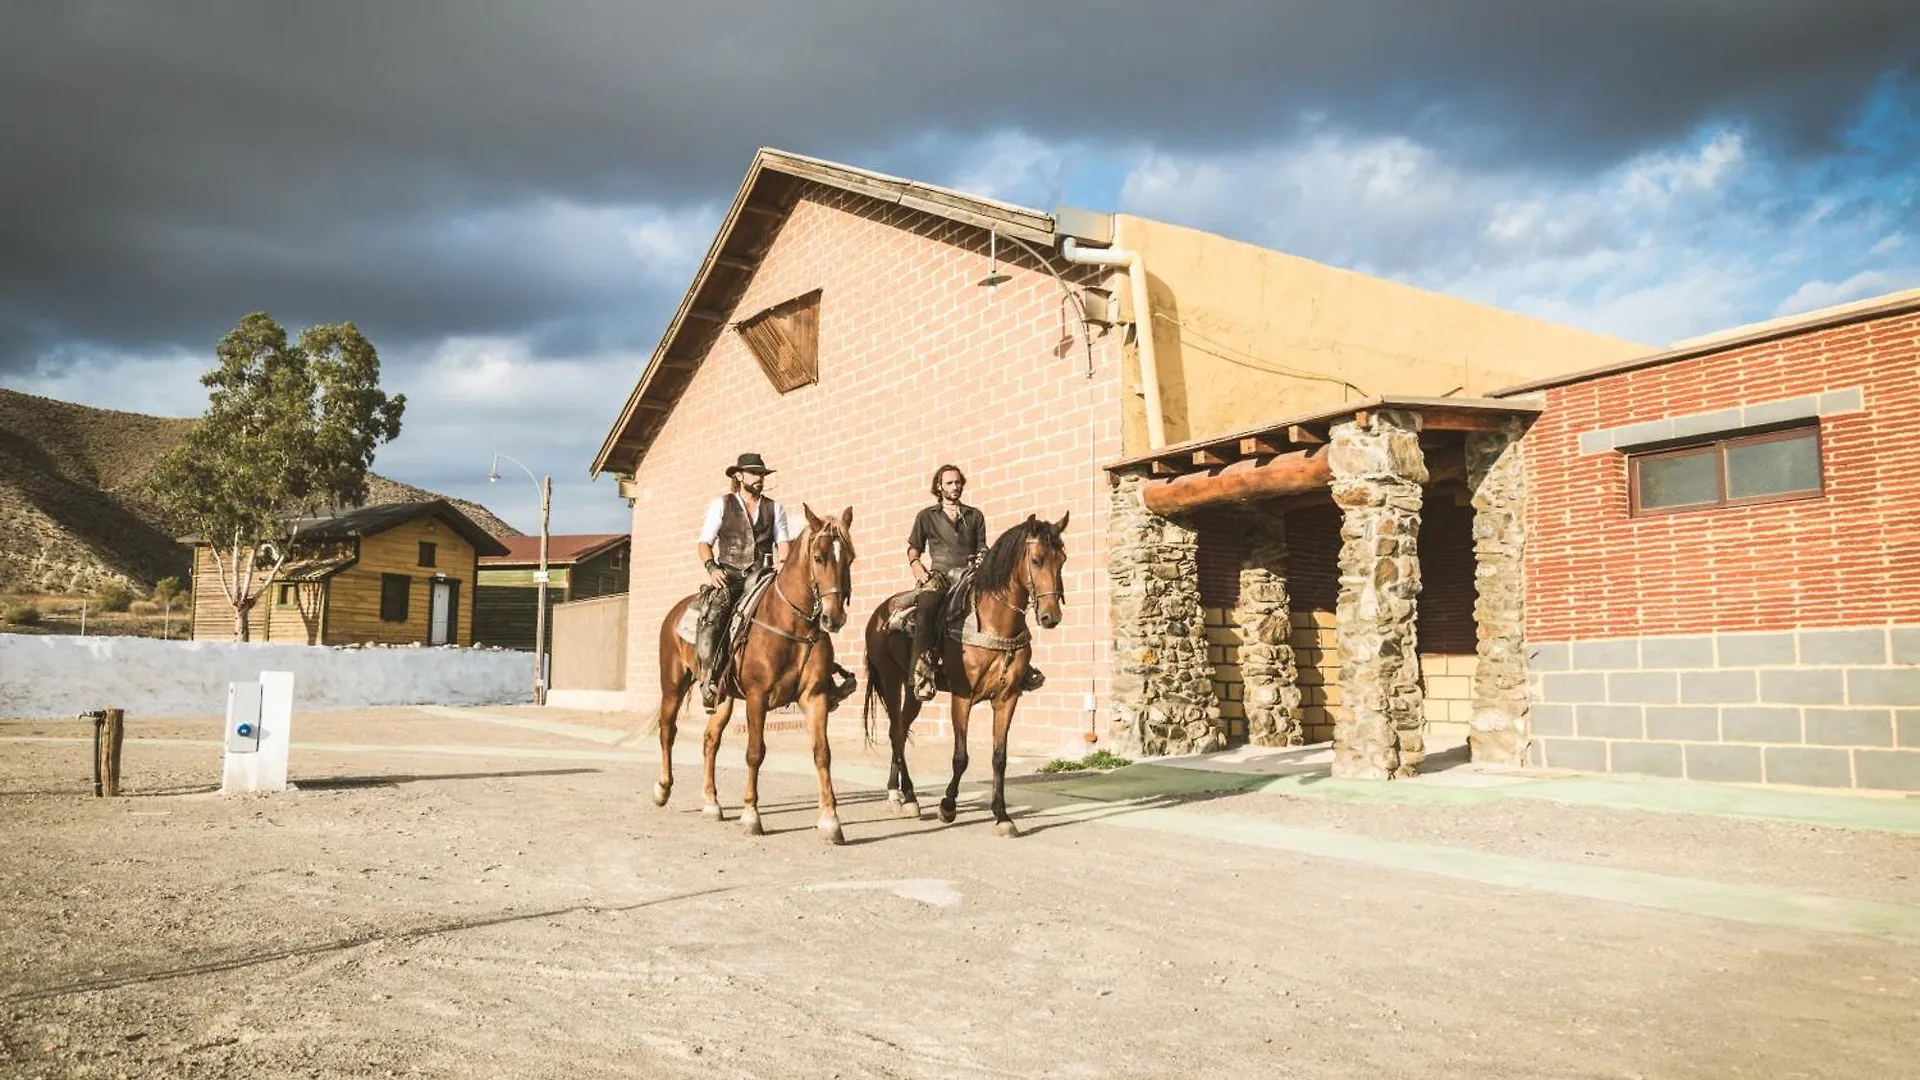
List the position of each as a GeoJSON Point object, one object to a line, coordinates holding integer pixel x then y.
{"type": "Point", "coordinates": [1723, 560]}
{"type": "Point", "coordinates": [839, 326]}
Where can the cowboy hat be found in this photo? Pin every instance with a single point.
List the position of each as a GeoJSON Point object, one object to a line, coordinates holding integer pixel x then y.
{"type": "Point", "coordinates": [748, 463]}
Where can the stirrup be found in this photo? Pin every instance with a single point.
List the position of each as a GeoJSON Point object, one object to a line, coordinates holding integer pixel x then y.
{"type": "Point", "coordinates": [1034, 680]}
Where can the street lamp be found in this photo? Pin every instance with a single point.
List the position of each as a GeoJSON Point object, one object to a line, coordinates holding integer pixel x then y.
{"type": "Point", "coordinates": [545, 484]}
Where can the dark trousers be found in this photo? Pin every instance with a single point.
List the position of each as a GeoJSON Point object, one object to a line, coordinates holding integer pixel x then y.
{"type": "Point", "coordinates": [929, 612]}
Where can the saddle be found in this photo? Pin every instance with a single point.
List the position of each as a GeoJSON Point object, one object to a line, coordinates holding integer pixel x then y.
{"type": "Point", "coordinates": [955, 605]}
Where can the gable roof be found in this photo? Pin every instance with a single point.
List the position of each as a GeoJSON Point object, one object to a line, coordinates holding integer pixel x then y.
{"type": "Point", "coordinates": [773, 184]}
{"type": "Point", "coordinates": [370, 520]}
{"type": "Point", "coordinates": [561, 550]}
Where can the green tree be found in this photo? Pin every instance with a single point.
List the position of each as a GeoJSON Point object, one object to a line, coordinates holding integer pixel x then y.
{"type": "Point", "coordinates": [290, 431]}
{"type": "Point", "coordinates": [165, 591]}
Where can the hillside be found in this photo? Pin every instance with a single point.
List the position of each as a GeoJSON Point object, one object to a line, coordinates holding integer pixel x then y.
{"type": "Point", "coordinates": [73, 510]}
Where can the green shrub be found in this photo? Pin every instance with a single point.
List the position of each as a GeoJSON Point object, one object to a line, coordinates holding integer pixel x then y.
{"type": "Point", "coordinates": [113, 596]}
{"type": "Point", "coordinates": [21, 615]}
{"type": "Point", "coordinates": [1099, 759]}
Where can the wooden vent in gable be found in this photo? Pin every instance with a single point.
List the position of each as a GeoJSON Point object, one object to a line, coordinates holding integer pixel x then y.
{"type": "Point", "coordinates": [785, 338]}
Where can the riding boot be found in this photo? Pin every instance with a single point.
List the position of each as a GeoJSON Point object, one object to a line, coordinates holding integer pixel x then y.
{"type": "Point", "coordinates": [926, 683]}
{"type": "Point", "coordinates": [709, 649]}
{"type": "Point", "coordinates": [1034, 680]}
{"type": "Point", "coordinates": [926, 636]}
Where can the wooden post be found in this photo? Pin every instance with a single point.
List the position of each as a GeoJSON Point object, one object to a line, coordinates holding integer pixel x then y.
{"type": "Point", "coordinates": [110, 751]}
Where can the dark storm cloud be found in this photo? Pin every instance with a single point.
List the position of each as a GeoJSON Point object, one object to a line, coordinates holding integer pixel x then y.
{"type": "Point", "coordinates": [170, 166]}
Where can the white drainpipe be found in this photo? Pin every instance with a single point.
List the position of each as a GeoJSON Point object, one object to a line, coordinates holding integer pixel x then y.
{"type": "Point", "coordinates": [1142, 324]}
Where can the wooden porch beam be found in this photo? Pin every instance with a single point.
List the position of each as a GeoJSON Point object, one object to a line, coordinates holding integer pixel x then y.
{"type": "Point", "coordinates": [1242, 481]}
{"type": "Point", "coordinates": [1300, 473]}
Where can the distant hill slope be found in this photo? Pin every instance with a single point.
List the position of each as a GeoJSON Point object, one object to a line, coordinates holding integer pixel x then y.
{"type": "Point", "coordinates": [74, 513]}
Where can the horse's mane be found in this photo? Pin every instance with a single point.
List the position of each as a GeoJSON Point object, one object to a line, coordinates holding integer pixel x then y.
{"type": "Point", "coordinates": [1004, 556]}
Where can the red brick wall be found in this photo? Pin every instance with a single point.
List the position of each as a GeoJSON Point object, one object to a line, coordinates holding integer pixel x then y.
{"type": "Point", "coordinates": [917, 367]}
{"type": "Point", "coordinates": [1851, 557]}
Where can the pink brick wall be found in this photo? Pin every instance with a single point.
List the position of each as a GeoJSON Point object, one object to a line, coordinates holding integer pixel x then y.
{"type": "Point", "coordinates": [1850, 557]}
{"type": "Point", "coordinates": [917, 367]}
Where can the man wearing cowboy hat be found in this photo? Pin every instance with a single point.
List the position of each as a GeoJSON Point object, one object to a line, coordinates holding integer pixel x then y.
{"type": "Point", "coordinates": [744, 535]}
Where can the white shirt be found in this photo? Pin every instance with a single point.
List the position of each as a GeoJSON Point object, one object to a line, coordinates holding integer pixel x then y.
{"type": "Point", "coordinates": [710, 529]}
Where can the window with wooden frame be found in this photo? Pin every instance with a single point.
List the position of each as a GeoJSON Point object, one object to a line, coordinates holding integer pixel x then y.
{"type": "Point", "coordinates": [426, 553]}
{"type": "Point", "coordinates": [394, 590]}
{"type": "Point", "coordinates": [1738, 470]}
{"type": "Point", "coordinates": [288, 595]}
{"type": "Point", "coordinates": [785, 339]}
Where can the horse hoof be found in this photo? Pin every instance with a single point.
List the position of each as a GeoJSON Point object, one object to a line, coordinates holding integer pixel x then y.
{"type": "Point", "coordinates": [947, 812]}
{"type": "Point", "coordinates": [910, 809]}
{"type": "Point", "coordinates": [830, 831]}
{"type": "Point", "coordinates": [712, 812]}
{"type": "Point", "coordinates": [750, 823]}
{"type": "Point", "coordinates": [661, 793]}
{"type": "Point", "coordinates": [1005, 828]}
{"type": "Point", "coordinates": [893, 796]}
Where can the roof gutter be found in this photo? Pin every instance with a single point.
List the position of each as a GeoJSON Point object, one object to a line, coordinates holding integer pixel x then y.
{"type": "Point", "coordinates": [1136, 269]}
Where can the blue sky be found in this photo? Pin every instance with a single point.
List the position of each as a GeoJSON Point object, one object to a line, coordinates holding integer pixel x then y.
{"type": "Point", "coordinates": [512, 211]}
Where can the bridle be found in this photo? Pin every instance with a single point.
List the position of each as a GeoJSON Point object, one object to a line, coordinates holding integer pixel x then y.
{"type": "Point", "coordinates": [818, 594]}
{"type": "Point", "coordinates": [1034, 595]}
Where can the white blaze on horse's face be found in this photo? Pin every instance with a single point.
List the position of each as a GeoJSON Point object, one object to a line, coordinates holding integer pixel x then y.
{"type": "Point", "coordinates": [830, 579]}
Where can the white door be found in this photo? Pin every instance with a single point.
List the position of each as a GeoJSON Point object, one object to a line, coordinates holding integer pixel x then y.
{"type": "Point", "coordinates": [442, 607]}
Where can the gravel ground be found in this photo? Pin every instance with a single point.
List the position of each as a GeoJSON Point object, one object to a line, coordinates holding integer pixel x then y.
{"type": "Point", "coordinates": [463, 899]}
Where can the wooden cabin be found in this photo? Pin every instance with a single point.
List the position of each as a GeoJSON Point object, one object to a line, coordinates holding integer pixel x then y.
{"type": "Point", "coordinates": [395, 574]}
{"type": "Point", "coordinates": [579, 567]}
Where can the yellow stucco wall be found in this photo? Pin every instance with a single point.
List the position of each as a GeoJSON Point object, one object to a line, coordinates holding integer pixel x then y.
{"type": "Point", "coordinates": [1245, 335]}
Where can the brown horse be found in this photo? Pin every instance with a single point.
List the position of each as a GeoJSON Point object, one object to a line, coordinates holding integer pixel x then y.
{"type": "Point", "coordinates": [787, 656]}
{"type": "Point", "coordinates": [988, 662]}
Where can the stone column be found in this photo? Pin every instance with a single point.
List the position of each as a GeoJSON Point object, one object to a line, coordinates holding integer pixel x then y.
{"type": "Point", "coordinates": [1163, 699]}
{"type": "Point", "coordinates": [1377, 472]}
{"type": "Point", "coordinates": [1497, 477]}
{"type": "Point", "coordinates": [1267, 670]}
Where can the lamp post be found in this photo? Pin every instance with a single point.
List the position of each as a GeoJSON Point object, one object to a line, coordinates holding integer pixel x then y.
{"type": "Point", "coordinates": [545, 484]}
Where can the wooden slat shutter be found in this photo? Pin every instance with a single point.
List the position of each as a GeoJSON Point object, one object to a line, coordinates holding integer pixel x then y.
{"type": "Point", "coordinates": [785, 339]}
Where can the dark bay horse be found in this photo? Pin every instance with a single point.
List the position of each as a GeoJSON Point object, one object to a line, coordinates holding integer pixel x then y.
{"type": "Point", "coordinates": [988, 663]}
{"type": "Point", "coordinates": [787, 656]}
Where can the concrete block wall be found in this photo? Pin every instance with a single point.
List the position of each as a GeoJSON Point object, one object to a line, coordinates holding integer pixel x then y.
{"type": "Point", "coordinates": [1825, 707]}
{"type": "Point", "coordinates": [1223, 651]}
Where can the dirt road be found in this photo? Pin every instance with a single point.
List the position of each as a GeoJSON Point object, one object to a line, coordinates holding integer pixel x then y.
{"type": "Point", "coordinates": [465, 896]}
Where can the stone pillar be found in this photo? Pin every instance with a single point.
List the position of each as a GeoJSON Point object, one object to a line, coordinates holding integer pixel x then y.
{"type": "Point", "coordinates": [1377, 472]}
{"type": "Point", "coordinates": [1269, 677]}
{"type": "Point", "coordinates": [1163, 701]}
{"type": "Point", "coordinates": [1497, 477]}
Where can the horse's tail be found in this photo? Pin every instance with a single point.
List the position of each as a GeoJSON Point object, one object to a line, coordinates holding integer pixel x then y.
{"type": "Point", "coordinates": [866, 704]}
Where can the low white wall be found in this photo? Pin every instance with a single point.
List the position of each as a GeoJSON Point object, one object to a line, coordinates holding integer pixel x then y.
{"type": "Point", "coordinates": [60, 676]}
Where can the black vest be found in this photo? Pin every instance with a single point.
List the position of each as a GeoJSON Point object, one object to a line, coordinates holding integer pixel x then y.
{"type": "Point", "coordinates": [744, 544]}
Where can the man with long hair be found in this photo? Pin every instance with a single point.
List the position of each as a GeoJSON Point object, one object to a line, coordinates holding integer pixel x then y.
{"type": "Point", "coordinates": [952, 537]}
